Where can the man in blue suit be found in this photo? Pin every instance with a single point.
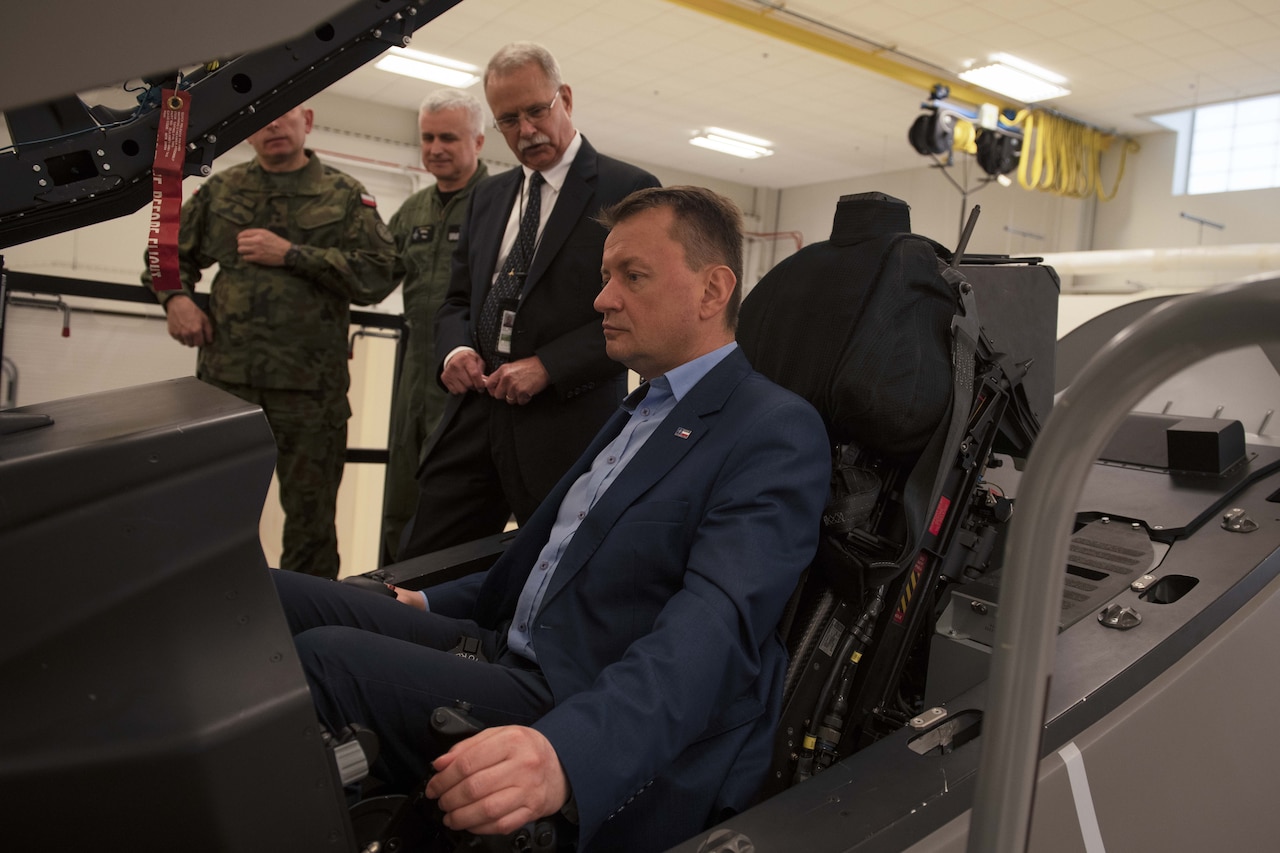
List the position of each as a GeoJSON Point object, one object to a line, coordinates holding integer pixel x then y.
{"type": "Point", "coordinates": [518, 345]}
{"type": "Point", "coordinates": [634, 669]}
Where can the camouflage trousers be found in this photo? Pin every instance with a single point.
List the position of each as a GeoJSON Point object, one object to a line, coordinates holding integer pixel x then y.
{"type": "Point", "coordinates": [310, 429]}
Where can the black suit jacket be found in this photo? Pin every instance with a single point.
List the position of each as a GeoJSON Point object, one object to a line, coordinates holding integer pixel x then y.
{"type": "Point", "coordinates": [555, 319]}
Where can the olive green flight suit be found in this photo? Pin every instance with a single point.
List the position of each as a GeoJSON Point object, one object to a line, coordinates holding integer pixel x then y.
{"type": "Point", "coordinates": [426, 232]}
{"type": "Point", "coordinates": [280, 333]}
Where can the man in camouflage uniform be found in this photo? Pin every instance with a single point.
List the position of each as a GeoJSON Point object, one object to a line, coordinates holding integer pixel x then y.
{"type": "Point", "coordinates": [296, 242]}
{"type": "Point", "coordinates": [426, 229]}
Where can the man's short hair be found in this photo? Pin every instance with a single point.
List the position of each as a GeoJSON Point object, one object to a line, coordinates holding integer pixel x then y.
{"type": "Point", "coordinates": [454, 99]}
{"type": "Point", "coordinates": [707, 225]}
{"type": "Point", "coordinates": [517, 55]}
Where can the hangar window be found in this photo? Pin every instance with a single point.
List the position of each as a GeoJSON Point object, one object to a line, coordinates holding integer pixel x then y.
{"type": "Point", "coordinates": [1226, 147]}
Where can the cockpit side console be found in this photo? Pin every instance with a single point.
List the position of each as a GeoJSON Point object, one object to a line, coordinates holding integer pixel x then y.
{"type": "Point", "coordinates": [153, 697]}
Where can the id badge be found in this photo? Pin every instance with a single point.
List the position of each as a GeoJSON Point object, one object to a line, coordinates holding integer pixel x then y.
{"type": "Point", "coordinates": [505, 331]}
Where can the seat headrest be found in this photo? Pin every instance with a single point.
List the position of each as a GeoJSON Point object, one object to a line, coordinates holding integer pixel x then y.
{"type": "Point", "coordinates": [864, 216]}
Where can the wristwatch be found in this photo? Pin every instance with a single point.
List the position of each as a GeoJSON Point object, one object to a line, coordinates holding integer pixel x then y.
{"type": "Point", "coordinates": [291, 256]}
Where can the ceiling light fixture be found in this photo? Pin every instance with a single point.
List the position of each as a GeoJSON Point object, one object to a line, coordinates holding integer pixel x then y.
{"type": "Point", "coordinates": [429, 67]}
{"type": "Point", "coordinates": [1016, 78]}
{"type": "Point", "coordinates": [729, 142]}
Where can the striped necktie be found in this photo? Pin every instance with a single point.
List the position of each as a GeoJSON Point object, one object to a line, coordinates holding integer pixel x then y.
{"type": "Point", "coordinates": [505, 292]}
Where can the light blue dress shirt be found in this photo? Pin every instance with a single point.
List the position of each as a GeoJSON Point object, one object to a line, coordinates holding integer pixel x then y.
{"type": "Point", "coordinates": [649, 405]}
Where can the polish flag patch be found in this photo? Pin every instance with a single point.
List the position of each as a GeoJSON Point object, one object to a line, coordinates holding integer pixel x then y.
{"type": "Point", "coordinates": [368, 200]}
{"type": "Point", "coordinates": [683, 433]}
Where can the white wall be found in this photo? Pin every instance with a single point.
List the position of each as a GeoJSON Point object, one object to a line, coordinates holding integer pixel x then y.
{"type": "Point", "coordinates": [1145, 215]}
{"type": "Point", "coordinates": [938, 210]}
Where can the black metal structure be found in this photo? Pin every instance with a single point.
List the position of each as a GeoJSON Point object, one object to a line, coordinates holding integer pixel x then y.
{"type": "Point", "coordinates": [73, 164]}
{"type": "Point", "coordinates": [154, 697]}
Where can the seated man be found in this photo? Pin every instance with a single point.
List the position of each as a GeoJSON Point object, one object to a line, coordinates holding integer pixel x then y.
{"type": "Point", "coordinates": [630, 629]}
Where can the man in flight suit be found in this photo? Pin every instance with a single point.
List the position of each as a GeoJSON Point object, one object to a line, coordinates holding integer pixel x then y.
{"type": "Point", "coordinates": [426, 229]}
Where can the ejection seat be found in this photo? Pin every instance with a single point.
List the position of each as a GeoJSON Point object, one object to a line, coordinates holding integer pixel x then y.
{"type": "Point", "coordinates": [879, 329]}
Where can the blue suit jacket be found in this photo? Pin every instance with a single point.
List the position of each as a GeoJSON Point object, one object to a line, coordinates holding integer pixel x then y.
{"type": "Point", "coordinates": [658, 633]}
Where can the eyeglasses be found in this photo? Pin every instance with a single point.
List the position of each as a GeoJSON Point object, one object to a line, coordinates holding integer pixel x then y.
{"type": "Point", "coordinates": [534, 114]}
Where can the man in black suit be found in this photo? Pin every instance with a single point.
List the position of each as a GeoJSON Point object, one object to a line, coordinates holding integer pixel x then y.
{"type": "Point", "coordinates": [519, 344]}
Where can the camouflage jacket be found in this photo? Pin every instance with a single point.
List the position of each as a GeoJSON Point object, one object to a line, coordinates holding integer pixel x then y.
{"type": "Point", "coordinates": [284, 327]}
{"type": "Point", "coordinates": [426, 232]}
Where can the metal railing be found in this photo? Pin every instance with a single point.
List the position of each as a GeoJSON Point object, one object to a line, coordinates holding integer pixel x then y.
{"type": "Point", "coordinates": [363, 323]}
{"type": "Point", "coordinates": [1174, 336]}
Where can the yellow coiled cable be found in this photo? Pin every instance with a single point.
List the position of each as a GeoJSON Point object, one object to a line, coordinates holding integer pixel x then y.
{"type": "Point", "coordinates": [1064, 157]}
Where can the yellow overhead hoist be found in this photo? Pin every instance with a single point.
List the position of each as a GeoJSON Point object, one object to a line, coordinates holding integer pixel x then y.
{"type": "Point", "coordinates": [1049, 151]}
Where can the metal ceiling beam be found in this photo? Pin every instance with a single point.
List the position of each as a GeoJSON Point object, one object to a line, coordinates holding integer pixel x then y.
{"type": "Point", "coordinates": [769, 20]}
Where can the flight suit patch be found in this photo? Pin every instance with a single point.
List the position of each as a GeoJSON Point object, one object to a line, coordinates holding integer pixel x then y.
{"type": "Point", "coordinates": [422, 234]}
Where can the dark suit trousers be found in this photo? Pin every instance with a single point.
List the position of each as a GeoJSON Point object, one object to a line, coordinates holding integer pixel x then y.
{"type": "Point", "coordinates": [371, 660]}
{"type": "Point", "coordinates": [470, 483]}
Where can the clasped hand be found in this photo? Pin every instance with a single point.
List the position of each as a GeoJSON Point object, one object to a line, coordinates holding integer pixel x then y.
{"type": "Point", "coordinates": [515, 383]}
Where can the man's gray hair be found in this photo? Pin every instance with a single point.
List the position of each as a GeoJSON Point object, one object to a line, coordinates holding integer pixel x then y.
{"type": "Point", "coordinates": [517, 55]}
{"type": "Point", "coordinates": [455, 99]}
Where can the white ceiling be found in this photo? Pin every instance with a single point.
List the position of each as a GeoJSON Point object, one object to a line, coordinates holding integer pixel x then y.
{"type": "Point", "coordinates": [646, 74]}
